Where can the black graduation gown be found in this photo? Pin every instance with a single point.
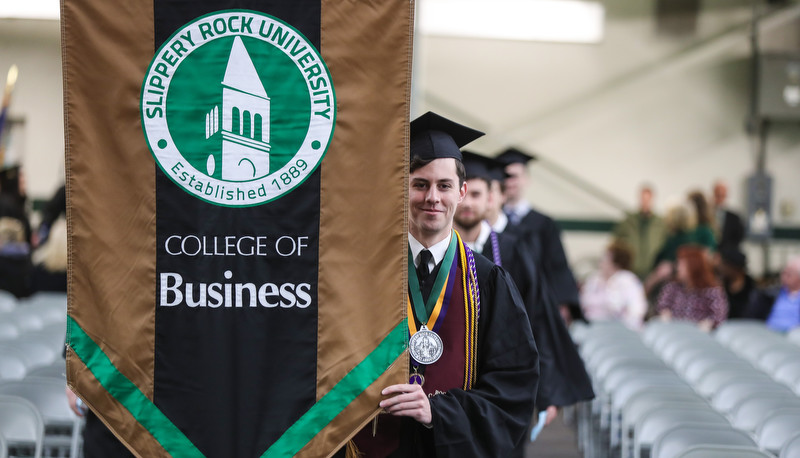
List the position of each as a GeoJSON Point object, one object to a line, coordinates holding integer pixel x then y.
{"type": "Point", "coordinates": [492, 417]}
{"type": "Point", "coordinates": [489, 419]}
{"type": "Point", "coordinates": [539, 229]}
{"type": "Point", "coordinates": [563, 379]}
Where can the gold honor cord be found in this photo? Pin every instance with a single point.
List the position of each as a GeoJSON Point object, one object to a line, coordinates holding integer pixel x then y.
{"type": "Point", "coordinates": [412, 325]}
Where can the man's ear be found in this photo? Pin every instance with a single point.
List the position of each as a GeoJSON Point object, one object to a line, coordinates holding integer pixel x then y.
{"type": "Point", "coordinates": [462, 192]}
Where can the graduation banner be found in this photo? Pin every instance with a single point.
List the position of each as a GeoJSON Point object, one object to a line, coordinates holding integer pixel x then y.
{"type": "Point", "coordinates": [236, 183]}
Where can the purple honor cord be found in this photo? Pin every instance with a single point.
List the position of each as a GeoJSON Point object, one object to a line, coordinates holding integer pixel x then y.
{"type": "Point", "coordinates": [495, 248]}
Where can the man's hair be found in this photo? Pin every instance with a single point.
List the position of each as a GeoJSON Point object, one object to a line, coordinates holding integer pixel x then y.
{"type": "Point", "coordinates": [417, 163]}
{"type": "Point", "coordinates": [621, 254]}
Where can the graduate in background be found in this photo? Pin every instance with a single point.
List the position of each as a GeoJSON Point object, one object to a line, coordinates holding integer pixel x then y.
{"type": "Point", "coordinates": [541, 232]}
{"type": "Point", "coordinates": [563, 377]}
{"type": "Point", "coordinates": [461, 400]}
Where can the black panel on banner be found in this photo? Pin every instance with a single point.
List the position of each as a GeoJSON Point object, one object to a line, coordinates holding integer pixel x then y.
{"type": "Point", "coordinates": [234, 379]}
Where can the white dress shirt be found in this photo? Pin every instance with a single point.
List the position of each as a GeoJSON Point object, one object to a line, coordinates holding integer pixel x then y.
{"type": "Point", "coordinates": [519, 210]}
{"type": "Point", "coordinates": [500, 225]}
{"type": "Point", "coordinates": [483, 237]}
{"type": "Point", "coordinates": [438, 250]}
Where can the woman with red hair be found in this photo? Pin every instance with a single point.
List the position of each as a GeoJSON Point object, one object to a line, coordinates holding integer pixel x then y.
{"type": "Point", "coordinates": [695, 294]}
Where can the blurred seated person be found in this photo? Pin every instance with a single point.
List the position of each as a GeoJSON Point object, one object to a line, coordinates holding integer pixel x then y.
{"type": "Point", "coordinates": [687, 222]}
{"type": "Point", "coordinates": [694, 295]}
{"type": "Point", "coordinates": [782, 314]}
{"type": "Point", "coordinates": [50, 260]}
{"type": "Point", "coordinates": [740, 288]}
{"type": "Point", "coordinates": [614, 293]}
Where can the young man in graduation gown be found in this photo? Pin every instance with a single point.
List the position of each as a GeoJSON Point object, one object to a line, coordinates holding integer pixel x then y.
{"type": "Point", "coordinates": [563, 378]}
{"type": "Point", "coordinates": [473, 359]}
{"type": "Point", "coordinates": [541, 232]}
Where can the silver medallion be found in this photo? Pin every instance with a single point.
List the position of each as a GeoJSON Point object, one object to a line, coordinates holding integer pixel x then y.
{"type": "Point", "coordinates": [425, 346]}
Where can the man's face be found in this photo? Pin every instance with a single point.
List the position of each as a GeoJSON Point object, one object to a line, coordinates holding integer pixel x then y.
{"type": "Point", "coordinates": [646, 201]}
{"type": "Point", "coordinates": [472, 209]}
{"type": "Point", "coordinates": [720, 194]}
{"type": "Point", "coordinates": [515, 182]}
{"type": "Point", "coordinates": [433, 195]}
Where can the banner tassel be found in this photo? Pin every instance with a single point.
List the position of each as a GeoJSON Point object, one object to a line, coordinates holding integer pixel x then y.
{"type": "Point", "coordinates": [352, 450]}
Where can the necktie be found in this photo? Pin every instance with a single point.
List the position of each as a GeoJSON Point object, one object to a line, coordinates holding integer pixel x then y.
{"type": "Point", "coordinates": [423, 270]}
{"type": "Point", "coordinates": [513, 218]}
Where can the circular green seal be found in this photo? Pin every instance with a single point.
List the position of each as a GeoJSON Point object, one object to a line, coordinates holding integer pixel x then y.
{"type": "Point", "coordinates": [238, 108]}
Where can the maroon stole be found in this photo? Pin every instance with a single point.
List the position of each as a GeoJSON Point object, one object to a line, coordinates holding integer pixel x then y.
{"type": "Point", "coordinates": [445, 374]}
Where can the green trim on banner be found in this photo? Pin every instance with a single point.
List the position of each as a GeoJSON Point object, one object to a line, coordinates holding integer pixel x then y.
{"type": "Point", "coordinates": [341, 395]}
{"type": "Point", "coordinates": [126, 393]}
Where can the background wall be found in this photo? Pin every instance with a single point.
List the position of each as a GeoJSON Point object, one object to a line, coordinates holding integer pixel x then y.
{"type": "Point", "coordinates": [640, 106]}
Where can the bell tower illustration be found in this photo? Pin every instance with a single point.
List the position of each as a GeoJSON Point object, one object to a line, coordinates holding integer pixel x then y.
{"type": "Point", "coordinates": [245, 120]}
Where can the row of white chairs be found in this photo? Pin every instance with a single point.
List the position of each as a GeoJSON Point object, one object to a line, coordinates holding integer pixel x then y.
{"type": "Point", "coordinates": [32, 333]}
{"type": "Point", "coordinates": [36, 420]}
{"type": "Point", "coordinates": [651, 385]}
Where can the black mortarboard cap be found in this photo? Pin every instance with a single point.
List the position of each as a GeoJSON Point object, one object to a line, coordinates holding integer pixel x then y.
{"type": "Point", "coordinates": [497, 170]}
{"type": "Point", "coordinates": [514, 156]}
{"type": "Point", "coordinates": [9, 179]}
{"type": "Point", "coordinates": [476, 165]}
{"type": "Point", "coordinates": [436, 137]}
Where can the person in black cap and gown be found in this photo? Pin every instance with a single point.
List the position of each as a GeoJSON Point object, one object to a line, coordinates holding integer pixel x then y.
{"type": "Point", "coordinates": [563, 378]}
{"type": "Point", "coordinates": [541, 231]}
{"type": "Point", "coordinates": [475, 399]}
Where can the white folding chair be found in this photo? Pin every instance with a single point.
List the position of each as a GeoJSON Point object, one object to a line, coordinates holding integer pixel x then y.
{"type": "Point", "coordinates": [22, 426]}
{"type": "Point", "coordinates": [654, 423]}
{"type": "Point", "coordinates": [704, 366]}
{"type": "Point", "coordinates": [730, 330]}
{"type": "Point", "coordinates": [643, 403]}
{"type": "Point", "coordinates": [3, 447]}
{"type": "Point", "coordinates": [713, 381]}
{"type": "Point", "coordinates": [62, 426]}
{"type": "Point", "coordinates": [774, 358]}
{"type": "Point", "coordinates": [788, 373]}
{"type": "Point", "coordinates": [733, 394]}
{"type": "Point", "coordinates": [50, 307]}
{"type": "Point", "coordinates": [33, 353]}
{"type": "Point", "coordinates": [671, 350]}
{"type": "Point", "coordinates": [751, 412]}
{"type": "Point", "coordinates": [630, 388]}
{"type": "Point", "coordinates": [24, 320]}
{"type": "Point", "coordinates": [12, 367]}
{"type": "Point", "coordinates": [686, 362]}
{"type": "Point", "coordinates": [723, 451]}
{"type": "Point", "coordinates": [680, 438]}
{"type": "Point", "coordinates": [8, 331]}
{"type": "Point", "coordinates": [50, 339]}
{"type": "Point", "coordinates": [56, 370]}
{"type": "Point", "coordinates": [777, 429]}
{"type": "Point", "coordinates": [656, 329]}
{"type": "Point", "coordinates": [791, 449]}
{"type": "Point", "coordinates": [752, 349]}
{"type": "Point", "coordinates": [794, 336]}
{"type": "Point", "coordinates": [8, 303]}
